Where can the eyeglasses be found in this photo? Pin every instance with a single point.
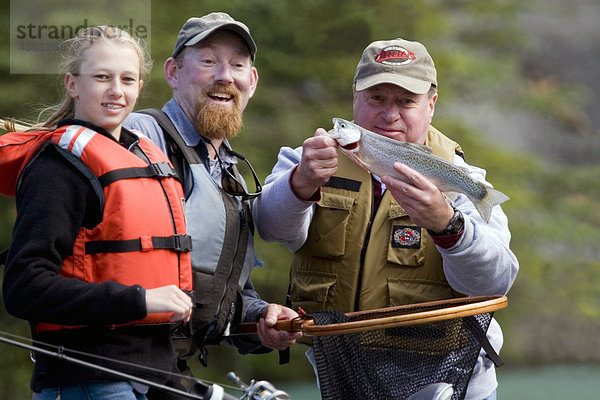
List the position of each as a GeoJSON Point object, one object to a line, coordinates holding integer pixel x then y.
{"type": "Point", "coordinates": [230, 184]}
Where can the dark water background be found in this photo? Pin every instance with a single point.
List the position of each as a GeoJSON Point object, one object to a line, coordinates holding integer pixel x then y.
{"type": "Point", "coordinates": [553, 382]}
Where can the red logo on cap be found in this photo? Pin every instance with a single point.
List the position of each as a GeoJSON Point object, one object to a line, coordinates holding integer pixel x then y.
{"type": "Point", "coordinates": [394, 55]}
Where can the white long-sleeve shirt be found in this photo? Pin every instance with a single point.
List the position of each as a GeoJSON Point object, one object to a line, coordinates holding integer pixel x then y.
{"type": "Point", "coordinates": [480, 263]}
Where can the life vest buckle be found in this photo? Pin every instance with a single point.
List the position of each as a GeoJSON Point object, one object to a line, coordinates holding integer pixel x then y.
{"type": "Point", "coordinates": [163, 170]}
{"type": "Point", "coordinates": [182, 243]}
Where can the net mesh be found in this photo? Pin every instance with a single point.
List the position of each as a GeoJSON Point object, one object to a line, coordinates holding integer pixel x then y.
{"type": "Point", "coordinates": [395, 363]}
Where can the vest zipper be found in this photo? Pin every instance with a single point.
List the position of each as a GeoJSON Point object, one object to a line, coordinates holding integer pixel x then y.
{"type": "Point", "coordinates": [363, 253]}
{"type": "Point", "coordinates": [232, 266]}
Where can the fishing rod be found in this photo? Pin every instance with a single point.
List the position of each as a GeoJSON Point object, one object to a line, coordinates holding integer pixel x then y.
{"type": "Point", "coordinates": [205, 390]}
{"type": "Point", "coordinates": [261, 390]}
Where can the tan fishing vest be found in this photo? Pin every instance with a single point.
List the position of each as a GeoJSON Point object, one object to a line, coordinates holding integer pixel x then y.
{"type": "Point", "coordinates": [353, 261]}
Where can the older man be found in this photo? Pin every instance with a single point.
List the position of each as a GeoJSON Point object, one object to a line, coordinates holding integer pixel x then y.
{"type": "Point", "coordinates": [212, 74]}
{"type": "Point", "coordinates": [346, 225]}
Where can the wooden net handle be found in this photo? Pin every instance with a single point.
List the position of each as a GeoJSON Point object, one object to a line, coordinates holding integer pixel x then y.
{"type": "Point", "coordinates": [291, 325]}
{"type": "Point", "coordinates": [476, 305]}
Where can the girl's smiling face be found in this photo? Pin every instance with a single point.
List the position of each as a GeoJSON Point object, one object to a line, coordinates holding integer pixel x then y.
{"type": "Point", "coordinates": [107, 85]}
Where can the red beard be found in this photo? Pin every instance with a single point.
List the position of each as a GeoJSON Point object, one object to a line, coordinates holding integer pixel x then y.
{"type": "Point", "coordinates": [217, 122]}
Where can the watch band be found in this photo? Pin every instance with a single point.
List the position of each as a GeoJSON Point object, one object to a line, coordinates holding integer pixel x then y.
{"type": "Point", "coordinates": [456, 225]}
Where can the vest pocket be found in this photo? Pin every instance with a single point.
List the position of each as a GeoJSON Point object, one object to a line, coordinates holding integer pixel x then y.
{"type": "Point", "coordinates": [406, 244]}
{"type": "Point", "coordinates": [327, 234]}
{"type": "Point", "coordinates": [312, 290]}
{"type": "Point", "coordinates": [410, 291]}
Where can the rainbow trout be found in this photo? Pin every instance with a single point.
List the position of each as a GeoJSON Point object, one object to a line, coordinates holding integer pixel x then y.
{"type": "Point", "coordinates": [377, 153]}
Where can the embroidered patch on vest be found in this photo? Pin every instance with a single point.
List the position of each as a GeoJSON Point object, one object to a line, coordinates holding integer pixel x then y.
{"type": "Point", "coordinates": [406, 237]}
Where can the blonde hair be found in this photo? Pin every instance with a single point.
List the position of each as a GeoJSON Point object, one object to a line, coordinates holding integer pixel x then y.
{"type": "Point", "coordinates": [74, 57]}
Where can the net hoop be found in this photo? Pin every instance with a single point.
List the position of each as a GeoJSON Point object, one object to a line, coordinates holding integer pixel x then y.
{"type": "Point", "coordinates": [445, 310]}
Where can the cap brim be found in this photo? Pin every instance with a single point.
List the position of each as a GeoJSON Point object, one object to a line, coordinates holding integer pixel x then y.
{"type": "Point", "coordinates": [229, 27]}
{"type": "Point", "coordinates": [412, 85]}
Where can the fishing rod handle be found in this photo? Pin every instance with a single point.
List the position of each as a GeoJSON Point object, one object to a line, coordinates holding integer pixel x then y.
{"type": "Point", "coordinates": [210, 392]}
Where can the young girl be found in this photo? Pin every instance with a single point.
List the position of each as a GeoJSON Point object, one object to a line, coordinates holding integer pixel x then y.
{"type": "Point", "coordinates": [98, 262]}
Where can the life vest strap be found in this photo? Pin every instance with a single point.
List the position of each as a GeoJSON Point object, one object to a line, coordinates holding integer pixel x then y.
{"type": "Point", "coordinates": [179, 243]}
{"type": "Point", "coordinates": [157, 170]}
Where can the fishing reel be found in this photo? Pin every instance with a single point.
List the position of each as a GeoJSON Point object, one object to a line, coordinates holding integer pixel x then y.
{"type": "Point", "coordinates": [261, 390]}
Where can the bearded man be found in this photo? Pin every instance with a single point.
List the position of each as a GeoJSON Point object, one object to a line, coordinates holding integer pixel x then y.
{"type": "Point", "coordinates": [213, 77]}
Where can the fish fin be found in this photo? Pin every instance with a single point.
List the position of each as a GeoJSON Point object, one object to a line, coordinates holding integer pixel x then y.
{"type": "Point", "coordinates": [351, 155]}
{"type": "Point", "coordinates": [465, 170]}
{"type": "Point", "coordinates": [363, 164]}
{"type": "Point", "coordinates": [492, 198]}
{"type": "Point", "coordinates": [419, 147]}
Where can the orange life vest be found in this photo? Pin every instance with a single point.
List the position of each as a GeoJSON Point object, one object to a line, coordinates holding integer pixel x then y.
{"type": "Point", "coordinates": [16, 150]}
{"type": "Point", "coordinates": [142, 236]}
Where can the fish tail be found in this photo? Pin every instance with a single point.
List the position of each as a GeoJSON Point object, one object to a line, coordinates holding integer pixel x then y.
{"type": "Point", "coordinates": [492, 198]}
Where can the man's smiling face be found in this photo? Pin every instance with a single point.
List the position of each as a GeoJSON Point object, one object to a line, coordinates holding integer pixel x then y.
{"type": "Point", "coordinates": [214, 83]}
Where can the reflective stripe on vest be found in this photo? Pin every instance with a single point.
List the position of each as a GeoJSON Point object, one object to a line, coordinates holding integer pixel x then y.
{"type": "Point", "coordinates": [75, 138]}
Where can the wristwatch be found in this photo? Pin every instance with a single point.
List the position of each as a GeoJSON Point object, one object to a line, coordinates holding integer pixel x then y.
{"type": "Point", "coordinates": [456, 225]}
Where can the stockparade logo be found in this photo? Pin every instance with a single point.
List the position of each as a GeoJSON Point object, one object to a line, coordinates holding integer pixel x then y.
{"type": "Point", "coordinates": [395, 55]}
{"type": "Point", "coordinates": [38, 29]}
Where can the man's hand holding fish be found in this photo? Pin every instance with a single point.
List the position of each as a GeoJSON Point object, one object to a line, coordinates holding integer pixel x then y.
{"type": "Point", "coordinates": [421, 199]}
{"type": "Point", "coordinates": [319, 163]}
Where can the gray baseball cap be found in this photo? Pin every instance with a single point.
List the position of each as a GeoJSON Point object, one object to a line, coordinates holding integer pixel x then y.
{"type": "Point", "coordinates": [399, 62]}
{"type": "Point", "coordinates": [195, 29]}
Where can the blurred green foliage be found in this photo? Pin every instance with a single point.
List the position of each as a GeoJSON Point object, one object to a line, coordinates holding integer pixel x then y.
{"type": "Point", "coordinates": [307, 53]}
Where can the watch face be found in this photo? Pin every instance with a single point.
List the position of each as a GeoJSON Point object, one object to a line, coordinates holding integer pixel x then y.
{"type": "Point", "coordinates": [457, 223]}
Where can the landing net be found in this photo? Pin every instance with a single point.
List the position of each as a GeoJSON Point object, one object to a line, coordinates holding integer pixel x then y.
{"type": "Point", "coordinates": [394, 363]}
